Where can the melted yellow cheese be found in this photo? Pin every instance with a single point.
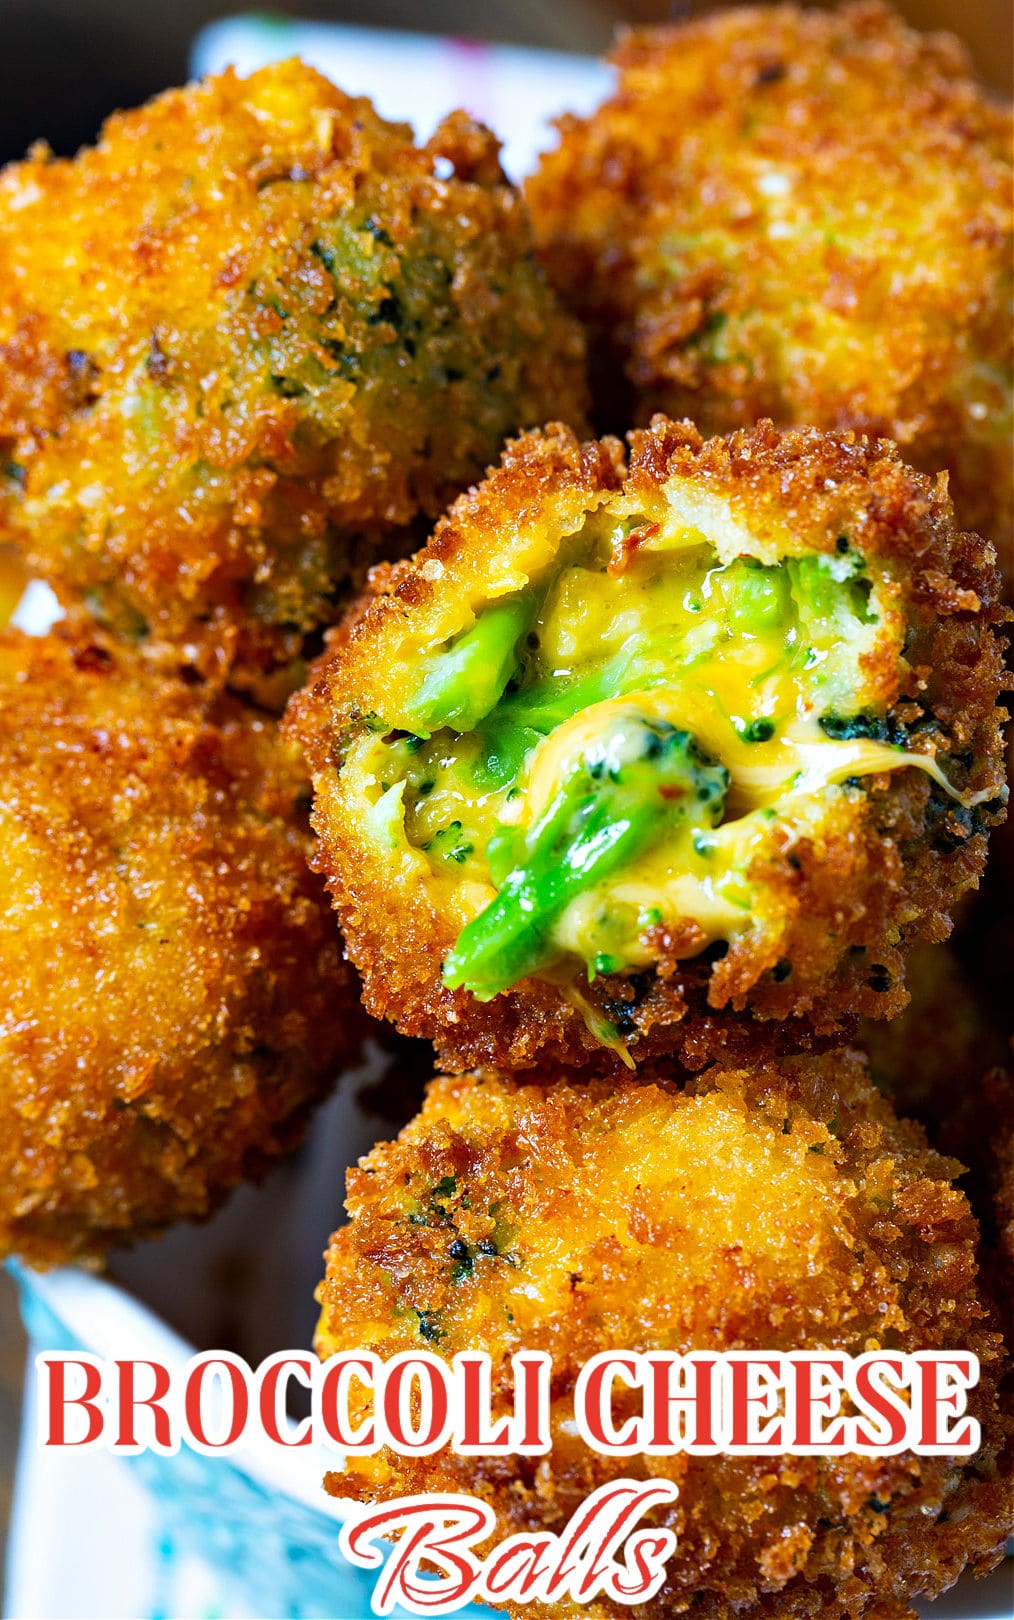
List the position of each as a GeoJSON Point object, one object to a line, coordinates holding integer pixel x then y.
{"type": "Point", "coordinates": [689, 654]}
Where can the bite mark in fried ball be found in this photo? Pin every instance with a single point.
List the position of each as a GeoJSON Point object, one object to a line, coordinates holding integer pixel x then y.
{"type": "Point", "coordinates": [784, 1207]}
{"type": "Point", "coordinates": [174, 993]}
{"type": "Point", "coordinates": [247, 340]}
{"type": "Point", "coordinates": [630, 757]}
{"type": "Point", "coordinates": [801, 214]}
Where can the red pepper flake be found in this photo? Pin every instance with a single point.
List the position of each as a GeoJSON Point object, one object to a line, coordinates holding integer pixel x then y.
{"type": "Point", "coordinates": [624, 550]}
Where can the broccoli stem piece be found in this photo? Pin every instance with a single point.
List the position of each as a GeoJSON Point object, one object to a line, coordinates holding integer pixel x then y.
{"type": "Point", "coordinates": [757, 598]}
{"type": "Point", "coordinates": [831, 593]}
{"type": "Point", "coordinates": [465, 681]}
{"type": "Point", "coordinates": [523, 719]}
{"type": "Point", "coordinates": [627, 789]}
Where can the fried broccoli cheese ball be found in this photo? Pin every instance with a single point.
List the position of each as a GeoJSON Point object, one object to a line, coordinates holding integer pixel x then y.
{"type": "Point", "coordinates": [249, 338]}
{"type": "Point", "coordinates": [629, 757]}
{"type": "Point", "coordinates": [784, 1207]}
{"type": "Point", "coordinates": [803, 215]}
{"type": "Point", "coordinates": [174, 994]}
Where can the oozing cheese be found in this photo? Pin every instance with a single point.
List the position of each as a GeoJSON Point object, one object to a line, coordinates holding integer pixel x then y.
{"type": "Point", "coordinates": [701, 877]}
{"type": "Point", "coordinates": [747, 659]}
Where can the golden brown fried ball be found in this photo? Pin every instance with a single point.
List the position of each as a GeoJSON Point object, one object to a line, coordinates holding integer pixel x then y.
{"type": "Point", "coordinates": [246, 340]}
{"type": "Point", "coordinates": [803, 215]}
{"type": "Point", "coordinates": [174, 994]}
{"type": "Point", "coordinates": [635, 755]}
{"type": "Point", "coordinates": [785, 1207]}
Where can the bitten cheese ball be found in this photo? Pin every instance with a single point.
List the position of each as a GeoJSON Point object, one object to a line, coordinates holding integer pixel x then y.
{"type": "Point", "coordinates": [247, 340]}
{"type": "Point", "coordinates": [174, 993]}
{"type": "Point", "coordinates": [803, 215]}
{"type": "Point", "coordinates": [637, 755]}
{"type": "Point", "coordinates": [780, 1208]}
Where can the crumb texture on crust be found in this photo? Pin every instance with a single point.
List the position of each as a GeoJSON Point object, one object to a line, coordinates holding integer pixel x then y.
{"type": "Point", "coordinates": [799, 214]}
{"type": "Point", "coordinates": [784, 1206]}
{"type": "Point", "coordinates": [838, 895]}
{"type": "Point", "coordinates": [175, 997]}
{"type": "Point", "coordinates": [246, 340]}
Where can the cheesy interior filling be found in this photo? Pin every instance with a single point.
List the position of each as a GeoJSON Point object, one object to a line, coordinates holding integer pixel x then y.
{"type": "Point", "coordinates": [604, 757]}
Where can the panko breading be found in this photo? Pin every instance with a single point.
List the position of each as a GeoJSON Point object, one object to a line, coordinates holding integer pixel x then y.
{"type": "Point", "coordinates": [781, 1208]}
{"type": "Point", "coordinates": [246, 340]}
{"type": "Point", "coordinates": [174, 994]}
{"type": "Point", "coordinates": [629, 757]}
{"type": "Point", "coordinates": [803, 215]}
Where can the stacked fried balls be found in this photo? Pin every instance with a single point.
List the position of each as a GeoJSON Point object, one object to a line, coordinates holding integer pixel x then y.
{"type": "Point", "coordinates": [246, 343]}
{"type": "Point", "coordinates": [647, 765]}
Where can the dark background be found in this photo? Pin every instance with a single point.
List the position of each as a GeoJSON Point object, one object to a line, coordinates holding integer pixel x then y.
{"type": "Point", "coordinates": [65, 64]}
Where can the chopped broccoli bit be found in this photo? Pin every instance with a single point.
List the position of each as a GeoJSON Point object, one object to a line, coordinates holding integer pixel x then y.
{"type": "Point", "coordinates": [463, 1258]}
{"type": "Point", "coordinates": [429, 1325]}
{"type": "Point", "coordinates": [829, 591]}
{"type": "Point", "coordinates": [757, 597]}
{"type": "Point", "coordinates": [623, 792]}
{"type": "Point", "coordinates": [878, 728]}
{"type": "Point", "coordinates": [756, 731]}
{"type": "Point", "coordinates": [448, 844]}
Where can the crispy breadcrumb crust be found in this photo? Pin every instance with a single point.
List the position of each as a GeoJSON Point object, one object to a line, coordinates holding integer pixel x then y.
{"type": "Point", "coordinates": [802, 215]}
{"type": "Point", "coordinates": [781, 1207]}
{"type": "Point", "coordinates": [889, 866]}
{"type": "Point", "coordinates": [246, 340]}
{"type": "Point", "coordinates": [174, 993]}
